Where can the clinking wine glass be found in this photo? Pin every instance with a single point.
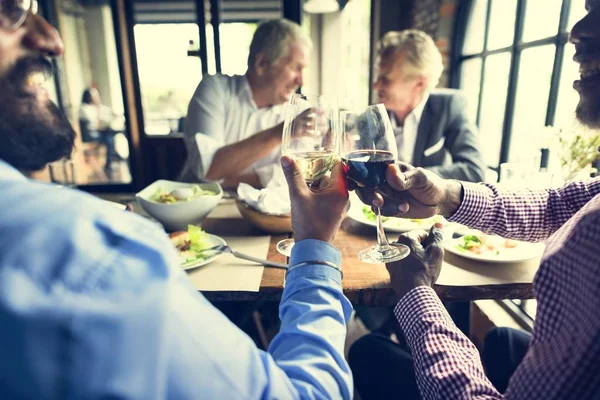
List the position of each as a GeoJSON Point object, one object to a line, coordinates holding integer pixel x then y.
{"type": "Point", "coordinates": [368, 147]}
{"type": "Point", "coordinates": [310, 137]}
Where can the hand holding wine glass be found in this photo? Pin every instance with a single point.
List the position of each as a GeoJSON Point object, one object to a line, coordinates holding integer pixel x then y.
{"type": "Point", "coordinates": [411, 192]}
{"type": "Point", "coordinates": [316, 214]}
{"type": "Point", "coordinates": [368, 148]}
{"type": "Point", "coordinates": [309, 135]}
{"type": "Point", "coordinates": [310, 139]}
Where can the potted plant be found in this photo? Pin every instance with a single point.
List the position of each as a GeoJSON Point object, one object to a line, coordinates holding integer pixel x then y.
{"type": "Point", "coordinates": [577, 151]}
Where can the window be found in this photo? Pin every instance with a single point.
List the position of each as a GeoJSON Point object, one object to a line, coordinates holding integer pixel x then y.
{"type": "Point", "coordinates": [235, 46]}
{"type": "Point", "coordinates": [340, 60]}
{"type": "Point", "coordinates": [168, 76]}
{"type": "Point", "coordinates": [90, 92]}
{"type": "Point", "coordinates": [531, 101]}
{"type": "Point", "coordinates": [355, 45]}
{"type": "Point", "coordinates": [173, 52]}
{"type": "Point", "coordinates": [517, 72]}
{"type": "Point", "coordinates": [516, 68]}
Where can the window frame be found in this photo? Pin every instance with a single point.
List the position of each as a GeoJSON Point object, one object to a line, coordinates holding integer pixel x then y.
{"type": "Point", "coordinates": [516, 308]}
{"type": "Point", "coordinates": [560, 40]}
{"type": "Point", "coordinates": [518, 311]}
{"type": "Point", "coordinates": [49, 12]}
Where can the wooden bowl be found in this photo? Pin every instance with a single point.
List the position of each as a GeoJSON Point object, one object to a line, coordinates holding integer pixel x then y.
{"type": "Point", "coordinates": [271, 223]}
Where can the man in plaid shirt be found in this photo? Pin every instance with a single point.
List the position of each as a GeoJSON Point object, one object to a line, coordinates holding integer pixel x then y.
{"type": "Point", "coordinates": [563, 358]}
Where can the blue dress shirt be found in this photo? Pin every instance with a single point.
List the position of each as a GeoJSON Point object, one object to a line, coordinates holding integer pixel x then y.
{"type": "Point", "coordinates": [94, 305]}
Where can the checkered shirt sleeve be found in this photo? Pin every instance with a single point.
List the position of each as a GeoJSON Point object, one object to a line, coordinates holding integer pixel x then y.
{"type": "Point", "coordinates": [562, 360]}
{"type": "Point", "coordinates": [524, 214]}
{"type": "Point", "coordinates": [447, 364]}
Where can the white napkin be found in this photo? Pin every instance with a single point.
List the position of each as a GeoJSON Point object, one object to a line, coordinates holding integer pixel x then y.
{"type": "Point", "coordinates": [274, 199]}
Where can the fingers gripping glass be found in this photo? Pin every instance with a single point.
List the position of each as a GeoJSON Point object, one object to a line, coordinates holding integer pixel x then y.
{"type": "Point", "coordinates": [368, 147]}
{"type": "Point", "coordinates": [13, 13]}
{"type": "Point", "coordinates": [310, 137]}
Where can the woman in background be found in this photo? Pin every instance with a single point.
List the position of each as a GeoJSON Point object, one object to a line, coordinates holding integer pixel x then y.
{"type": "Point", "coordinates": [96, 122]}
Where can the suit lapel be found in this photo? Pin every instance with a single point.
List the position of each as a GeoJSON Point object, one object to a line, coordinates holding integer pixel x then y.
{"type": "Point", "coordinates": [423, 132]}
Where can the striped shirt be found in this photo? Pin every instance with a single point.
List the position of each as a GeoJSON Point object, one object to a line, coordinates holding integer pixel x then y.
{"type": "Point", "coordinates": [563, 360]}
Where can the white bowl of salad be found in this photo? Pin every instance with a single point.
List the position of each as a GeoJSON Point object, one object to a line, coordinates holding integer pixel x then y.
{"type": "Point", "coordinates": [177, 204]}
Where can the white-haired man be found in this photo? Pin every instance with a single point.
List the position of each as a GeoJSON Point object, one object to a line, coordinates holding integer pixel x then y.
{"type": "Point", "coordinates": [432, 128]}
{"type": "Point", "coordinates": [234, 123]}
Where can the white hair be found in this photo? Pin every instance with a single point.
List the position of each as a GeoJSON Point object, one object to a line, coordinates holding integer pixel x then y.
{"type": "Point", "coordinates": [422, 55]}
{"type": "Point", "coordinates": [273, 39]}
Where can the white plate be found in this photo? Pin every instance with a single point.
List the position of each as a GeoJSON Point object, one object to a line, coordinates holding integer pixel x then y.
{"type": "Point", "coordinates": [397, 225]}
{"type": "Point", "coordinates": [214, 241]}
{"type": "Point", "coordinates": [522, 252]}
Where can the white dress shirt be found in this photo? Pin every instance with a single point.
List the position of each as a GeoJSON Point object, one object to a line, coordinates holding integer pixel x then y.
{"type": "Point", "coordinates": [409, 130]}
{"type": "Point", "coordinates": [222, 112]}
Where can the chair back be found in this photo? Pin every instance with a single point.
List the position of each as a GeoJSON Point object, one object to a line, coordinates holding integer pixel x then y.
{"type": "Point", "coordinates": [181, 125]}
{"type": "Point", "coordinates": [87, 134]}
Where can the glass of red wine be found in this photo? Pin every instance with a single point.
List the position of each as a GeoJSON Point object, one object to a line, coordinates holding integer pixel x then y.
{"type": "Point", "coordinates": [368, 146]}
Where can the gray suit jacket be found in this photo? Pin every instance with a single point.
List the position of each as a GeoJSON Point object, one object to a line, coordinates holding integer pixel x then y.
{"type": "Point", "coordinates": [446, 140]}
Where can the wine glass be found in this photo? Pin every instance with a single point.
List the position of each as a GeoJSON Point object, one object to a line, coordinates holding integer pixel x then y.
{"type": "Point", "coordinates": [310, 137]}
{"type": "Point", "coordinates": [368, 147]}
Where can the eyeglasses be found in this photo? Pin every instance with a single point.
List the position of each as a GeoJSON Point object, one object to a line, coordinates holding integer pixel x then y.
{"type": "Point", "coordinates": [13, 13]}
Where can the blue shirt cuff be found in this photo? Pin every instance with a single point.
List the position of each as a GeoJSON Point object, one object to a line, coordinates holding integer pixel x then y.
{"type": "Point", "coordinates": [312, 250]}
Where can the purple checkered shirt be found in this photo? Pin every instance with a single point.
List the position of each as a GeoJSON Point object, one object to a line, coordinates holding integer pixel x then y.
{"type": "Point", "coordinates": [563, 360]}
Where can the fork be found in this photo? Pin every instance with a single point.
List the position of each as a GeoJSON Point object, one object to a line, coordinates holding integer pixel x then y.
{"type": "Point", "coordinates": [226, 249]}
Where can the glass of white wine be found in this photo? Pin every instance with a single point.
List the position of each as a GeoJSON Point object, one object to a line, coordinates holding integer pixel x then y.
{"type": "Point", "coordinates": [310, 137]}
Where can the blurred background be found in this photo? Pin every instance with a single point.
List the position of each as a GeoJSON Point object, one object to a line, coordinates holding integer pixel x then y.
{"type": "Point", "coordinates": [146, 57]}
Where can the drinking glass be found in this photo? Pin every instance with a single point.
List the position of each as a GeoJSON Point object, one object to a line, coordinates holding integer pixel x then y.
{"type": "Point", "coordinates": [62, 172]}
{"type": "Point", "coordinates": [310, 137]}
{"type": "Point", "coordinates": [368, 147]}
{"type": "Point", "coordinates": [517, 175]}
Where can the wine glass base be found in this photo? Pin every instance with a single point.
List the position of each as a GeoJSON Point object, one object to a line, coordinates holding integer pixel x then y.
{"type": "Point", "coordinates": [285, 246]}
{"type": "Point", "coordinates": [377, 255]}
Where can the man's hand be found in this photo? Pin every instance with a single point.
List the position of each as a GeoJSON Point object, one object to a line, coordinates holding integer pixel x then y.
{"type": "Point", "coordinates": [414, 193]}
{"type": "Point", "coordinates": [316, 214]}
{"type": "Point", "coordinates": [423, 265]}
{"type": "Point", "coordinates": [309, 120]}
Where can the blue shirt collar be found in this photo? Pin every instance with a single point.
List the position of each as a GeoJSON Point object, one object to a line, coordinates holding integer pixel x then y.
{"type": "Point", "coordinates": [8, 171]}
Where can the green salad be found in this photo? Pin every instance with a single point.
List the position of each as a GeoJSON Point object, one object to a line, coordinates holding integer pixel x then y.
{"type": "Point", "coordinates": [192, 247]}
{"type": "Point", "coordinates": [485, 244]}
{"type": "Point", "coordinates": [199, 240]}
{"type": "Point", "coordinates": [180, 194]}
{"type": "Point", "coordinates": [469, 242]}
{"type": "Point", "coordinates": [389, 221]}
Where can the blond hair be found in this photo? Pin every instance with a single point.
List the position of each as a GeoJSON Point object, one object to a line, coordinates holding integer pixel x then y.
{"type": "Point", "coordinates": [422, 55]}
{"type": "Point", "coordinates": [272, 38]}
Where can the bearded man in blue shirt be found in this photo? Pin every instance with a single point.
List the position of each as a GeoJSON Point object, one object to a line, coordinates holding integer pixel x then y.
{"type": "Point", "coordinates": [92, 303]}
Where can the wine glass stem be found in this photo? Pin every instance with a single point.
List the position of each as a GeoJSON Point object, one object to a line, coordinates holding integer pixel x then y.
{"type": "Point", "coordinates": [382, 242]}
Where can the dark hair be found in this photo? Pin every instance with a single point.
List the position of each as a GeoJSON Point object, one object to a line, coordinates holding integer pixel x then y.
{"type": "Point", "coordinates": [87, 96]}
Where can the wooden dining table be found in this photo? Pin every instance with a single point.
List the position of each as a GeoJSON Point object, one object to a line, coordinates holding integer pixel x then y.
{"type": "Point", "coordinates": [461, 279]}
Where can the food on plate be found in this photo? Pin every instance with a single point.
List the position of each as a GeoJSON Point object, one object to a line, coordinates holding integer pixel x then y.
{"type": "Point", "coordinates": [485, 244]}
{"type": "Point", "coordinates": [180, 194]}
{"type": "Point", "coordinates": [400, 222]}
{"type": "Point", "coordinates": [191, 244]}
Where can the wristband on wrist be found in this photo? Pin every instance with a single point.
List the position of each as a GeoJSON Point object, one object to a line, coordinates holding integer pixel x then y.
{"type": "Point", "coordinates": [313, 262]}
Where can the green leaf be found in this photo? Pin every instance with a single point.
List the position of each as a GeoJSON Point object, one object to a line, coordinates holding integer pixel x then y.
{"type": "Point", "coordinates": [198, 238]}
{"type": "Point", "coordinates": [469, 241]}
